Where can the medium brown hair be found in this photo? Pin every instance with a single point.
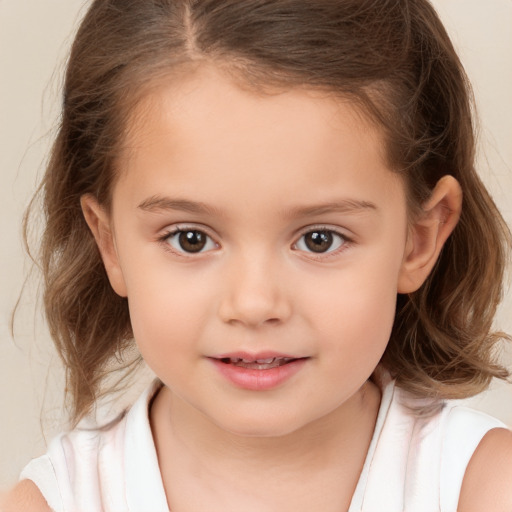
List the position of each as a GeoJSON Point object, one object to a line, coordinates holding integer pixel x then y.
{"type": "Point", "coordinates": [393, 57]}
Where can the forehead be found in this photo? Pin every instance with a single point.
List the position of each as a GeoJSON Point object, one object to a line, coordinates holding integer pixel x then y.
{"type": "Point", "coordinates": [195, 96]}
{"type": "Point", "coordinates": [208, 130]}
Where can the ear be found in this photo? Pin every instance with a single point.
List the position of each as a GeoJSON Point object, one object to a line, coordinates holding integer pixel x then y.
{"type": "Point", "coordinates": [99, 223]}
{"type": "Point", "coordinates": [428, 234]}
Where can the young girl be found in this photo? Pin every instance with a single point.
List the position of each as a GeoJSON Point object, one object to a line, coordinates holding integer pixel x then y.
{"type": "Point", "coordinates": [276, 201]}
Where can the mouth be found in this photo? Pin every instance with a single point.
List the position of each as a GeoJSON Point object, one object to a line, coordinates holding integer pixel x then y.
{"type": "Point", "coordinates": [258, 372]}
{"type": "Point", "coordinates": [258, 364]}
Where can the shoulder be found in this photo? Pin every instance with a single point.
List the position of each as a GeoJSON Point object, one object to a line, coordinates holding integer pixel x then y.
{"type": "Point", "coordinates": [488, 477]}
{"type": "Point", "coordinates": [25, 496]}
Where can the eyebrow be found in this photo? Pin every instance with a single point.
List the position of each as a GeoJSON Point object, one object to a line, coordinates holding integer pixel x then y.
{"type": "Point", "coordinates": [159, 203]}
{"type": "Point", "coordinates": [341, 206]}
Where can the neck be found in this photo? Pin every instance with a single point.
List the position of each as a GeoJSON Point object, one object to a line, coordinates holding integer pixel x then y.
{"type": "Point", "coordinates": [330, 449]}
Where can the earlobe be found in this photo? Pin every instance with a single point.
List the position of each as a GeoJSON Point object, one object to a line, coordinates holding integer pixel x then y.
{"type": "Point", "coordinates": [98, 221]}
{"type": "Point", "coordinates": [428, 234]}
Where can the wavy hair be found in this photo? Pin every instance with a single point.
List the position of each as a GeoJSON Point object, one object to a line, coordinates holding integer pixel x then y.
{"type": "Point", "coordinates": [392, 57]}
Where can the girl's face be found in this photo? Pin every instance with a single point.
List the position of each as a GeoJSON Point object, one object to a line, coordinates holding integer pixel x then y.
{"type": "Point", "coordinates": [258, 228]}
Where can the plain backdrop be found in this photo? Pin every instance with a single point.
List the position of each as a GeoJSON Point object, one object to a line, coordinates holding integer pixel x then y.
{"type": "Point", "coordinates": [34, 38]}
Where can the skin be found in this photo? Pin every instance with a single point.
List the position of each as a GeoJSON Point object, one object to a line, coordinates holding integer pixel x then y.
{"type": "Point", "coordinates": [255, 173]}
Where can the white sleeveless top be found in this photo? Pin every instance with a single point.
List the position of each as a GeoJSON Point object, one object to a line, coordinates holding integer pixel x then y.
{"type": "Point", "coordinates": [414, 463]}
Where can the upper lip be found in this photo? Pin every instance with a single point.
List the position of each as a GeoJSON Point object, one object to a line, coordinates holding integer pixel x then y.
{"type": "Point", "coordinates": [255, 356]}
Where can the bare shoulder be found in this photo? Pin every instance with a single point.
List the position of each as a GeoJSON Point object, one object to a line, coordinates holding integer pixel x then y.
{"type": "Point", "coordinates": [24, 496]}
{"type": "Point", "coordinates": [487, 482]}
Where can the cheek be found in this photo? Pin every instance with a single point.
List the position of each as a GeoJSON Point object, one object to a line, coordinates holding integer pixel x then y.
{"type": "Point", "coordinates": [160, 309]}
{"type": "Point", "coordinates": [363, 319]}
{"type": "Point", "coordinates": [164, 329]}
{"type": "Point", "coordinates": [168, 309]}
{"type": "Point", "coordinates": [355, 338]}
{"type": "Point", "coordinates": [358, 309]}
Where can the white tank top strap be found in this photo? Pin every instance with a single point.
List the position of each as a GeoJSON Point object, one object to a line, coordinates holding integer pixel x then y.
{"type": "Point", "coordinates": [418, 457]}
{"type": "Point", "coordinates": [375, 450]}
{"type": "Point", "coordinates": [42, 472]}
{"type": "Point", "coordinates": [107, 470]}
{"type": "Point", "coordinates": [75, 471]}
{"type": "Point", "coordinates": [143, 486]}
{"type": "Point", "coordinates": [463, 430]}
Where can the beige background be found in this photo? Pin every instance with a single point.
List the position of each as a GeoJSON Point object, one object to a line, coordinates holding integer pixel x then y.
{"type": "Point", "coordinates": [34, 38]}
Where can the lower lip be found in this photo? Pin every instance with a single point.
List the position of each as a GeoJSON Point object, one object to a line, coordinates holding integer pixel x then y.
{"type": "Point", "coordinates": [259, 380]}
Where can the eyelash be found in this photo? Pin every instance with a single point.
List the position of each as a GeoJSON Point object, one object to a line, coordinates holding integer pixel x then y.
{"type": "Point", "coordinates": [343, 244]}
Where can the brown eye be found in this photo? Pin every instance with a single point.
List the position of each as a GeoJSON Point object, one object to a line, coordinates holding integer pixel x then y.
{"type": "Point", "coordinates": [190, 241]}
{"type": "Point", "coordinates": [320, 241]}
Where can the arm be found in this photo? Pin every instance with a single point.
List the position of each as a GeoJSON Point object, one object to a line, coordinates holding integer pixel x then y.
{"type": "Point", "coordinates": [487, 484]}
{"type": "Point", "coordinates": [25, 496]}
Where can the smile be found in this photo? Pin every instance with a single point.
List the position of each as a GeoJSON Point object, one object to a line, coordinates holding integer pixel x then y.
{"type": "Point", "coordinates": [258, 373]}
{"type": "Point", "coordinates": [258, 364]}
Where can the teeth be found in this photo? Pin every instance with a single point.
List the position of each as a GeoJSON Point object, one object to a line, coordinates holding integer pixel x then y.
{"type": "Point", "coordinates": [261, 364]}
{"type": "Point", "coordinates": [268, 360]}
{"type": "Point", "coordinates": [265, 361]}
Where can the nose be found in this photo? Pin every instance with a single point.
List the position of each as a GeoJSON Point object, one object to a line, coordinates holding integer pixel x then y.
{"type": "Point", "coordinates": [254, 293]}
